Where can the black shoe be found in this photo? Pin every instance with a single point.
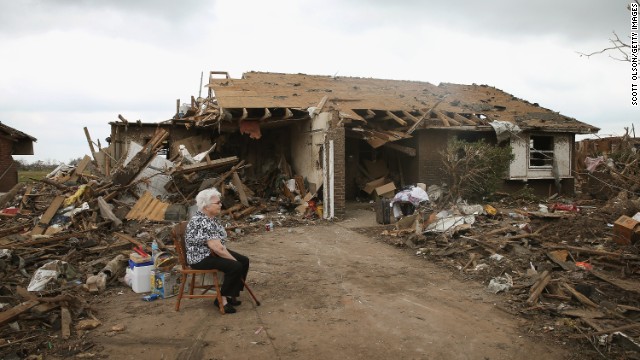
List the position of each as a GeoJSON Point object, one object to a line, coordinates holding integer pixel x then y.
{"type": "Point", "coordinates": [232, 302]}
{"type": "Point", "coordinates": [228, 309]}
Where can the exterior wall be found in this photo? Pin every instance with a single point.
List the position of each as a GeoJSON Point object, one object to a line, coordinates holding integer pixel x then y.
{"type": "Point", "coordinates": [562, 152]}
{"type": "Point", "coordinates": [8, 168]}
{"type": "Point", "coordinates": [307, 139]}
{"type": "Point", "coordinates": [339, 176]}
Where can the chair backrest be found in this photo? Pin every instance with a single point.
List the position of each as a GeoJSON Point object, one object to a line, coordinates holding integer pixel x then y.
{"type": "Point", "coordinates": [178, 233]}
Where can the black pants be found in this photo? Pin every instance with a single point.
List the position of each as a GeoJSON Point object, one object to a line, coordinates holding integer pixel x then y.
{"type": "Point", "coordinates": [234, 271]}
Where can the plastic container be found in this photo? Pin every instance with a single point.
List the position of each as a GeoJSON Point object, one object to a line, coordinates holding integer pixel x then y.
{"type": "Point", "coordinates": [140, 276]}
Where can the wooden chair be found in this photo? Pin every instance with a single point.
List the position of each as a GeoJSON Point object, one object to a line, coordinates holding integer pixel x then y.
{"type": "Point", "coordinates": [189, 274]}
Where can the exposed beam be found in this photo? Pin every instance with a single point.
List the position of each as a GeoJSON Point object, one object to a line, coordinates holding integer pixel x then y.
{"type": "Point", "coordinates": [267, 114]}
{"type": "Point", "coordinates": [446, 118]}
{"type": "Point", "coordinates": [463, 119]}
{"type": "Point", "coordinates": [318, 108]}
{"type": "Point", "coordinates": [370, 114]}
{"type": "Point", "coordinates": [396, 118]}
{"type": "Point", "coordinates": [442, 118]}
{"type": "Point", "coordinates": [409, 116]}
{"type": "Point", "coordinates": [287, 113]}
{"type": "Point", "coordinates": [415, 126]}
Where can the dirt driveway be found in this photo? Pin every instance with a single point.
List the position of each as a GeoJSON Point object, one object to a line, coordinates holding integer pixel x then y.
{"type": "Point", "coordinates": [327, 292]}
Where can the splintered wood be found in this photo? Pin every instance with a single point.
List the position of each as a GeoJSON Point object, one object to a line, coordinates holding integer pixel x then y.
{"type": "Point", "coordinates": [148, 208]}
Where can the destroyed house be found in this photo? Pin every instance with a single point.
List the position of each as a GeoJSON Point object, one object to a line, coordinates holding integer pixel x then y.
{"type": "Point", "coordinates": [341, 133]}
{"type": "Point", "coordinates": [12, 142]}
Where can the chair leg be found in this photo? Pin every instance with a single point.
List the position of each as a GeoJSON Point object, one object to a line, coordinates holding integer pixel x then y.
{"type": "Point", "coordinates": [251, 293]}
{"type": "Point", "coordinates": [183, 279]}
{"type": "Point", "coordinates": [193, 284]}
{"type": "Point", "coordinates": [218, 294]}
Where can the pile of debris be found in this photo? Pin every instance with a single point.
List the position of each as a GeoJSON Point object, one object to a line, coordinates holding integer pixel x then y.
{"type": "Point", "coordinates": [610, 165]}
{"type": "Point", "coordinates": [572, 267]}
{"type": "Point", "coordinates": [69, 235]}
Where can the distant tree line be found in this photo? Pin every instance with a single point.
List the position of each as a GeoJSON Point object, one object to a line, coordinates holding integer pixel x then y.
{"type": "Point", "coordinates": [40, 165]}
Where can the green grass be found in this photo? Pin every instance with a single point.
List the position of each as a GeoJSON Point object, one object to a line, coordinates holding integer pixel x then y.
{"type": "Point", "coordinates": [25, 175]}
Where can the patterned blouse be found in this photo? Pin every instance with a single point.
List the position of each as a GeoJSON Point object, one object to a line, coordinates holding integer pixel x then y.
{"type": "Point", "coordinates": [200, 229]}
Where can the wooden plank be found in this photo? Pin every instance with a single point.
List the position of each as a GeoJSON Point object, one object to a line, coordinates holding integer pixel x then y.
{"type": "Point", "coordinates": [141, 204]}
{"type": "Point", "coordinates": [538, 287]}
{"type": "Point", "coordinates": [65, 317]}
{"type": "Point", "coordinates": [148, 208]}
{"type": "Point", "coordinates": [132, 240]}
{"type": "Point", "coordinates": [631, 286]}
{"type": "Point", "coordinates": [576, 294]}
{"type": "Point", "coordinates": [204, 166]}
{"type": "Point", "coordinates": [235, 179]}
{"type": "Point", "coordinates": [93, 151]}
{"type": "Point", "coordinates": [80, 168]}
{"type": "Point", "coordinates": [48, 215]}
{"type": "Point", "coordinates": [9, 315]}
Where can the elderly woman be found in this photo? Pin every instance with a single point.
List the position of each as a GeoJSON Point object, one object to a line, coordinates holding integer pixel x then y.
{"type": "Point", "coordinates": [205, 241]}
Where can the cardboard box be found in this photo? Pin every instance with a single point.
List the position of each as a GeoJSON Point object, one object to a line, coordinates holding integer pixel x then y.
{"type": "Point", "coordinates": [386, 190]}
{"type": "Point", "coordinates": [626, 230]}
{"type": "Point", "coordinates": [165, 284]}
{"type": "Point", "coordinates": [371, 186]}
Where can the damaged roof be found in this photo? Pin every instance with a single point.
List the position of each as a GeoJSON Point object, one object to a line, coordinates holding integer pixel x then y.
{"type": "Point", "coordinates": [15, 134]}
{"type": "Point", "coordinates": [405, 102]}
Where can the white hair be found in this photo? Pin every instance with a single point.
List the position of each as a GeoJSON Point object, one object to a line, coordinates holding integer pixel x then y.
{"type": "Point", "coordinates": [204, 197]}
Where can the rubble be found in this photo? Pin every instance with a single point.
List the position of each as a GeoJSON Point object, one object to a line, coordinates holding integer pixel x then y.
{"type": "Point", "coordinates": [68, 236]}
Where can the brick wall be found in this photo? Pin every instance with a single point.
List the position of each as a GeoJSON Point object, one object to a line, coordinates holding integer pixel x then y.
{"type": "Point", "coordinates": [10, 177]}
{"type": "Point", "coordinates": [339, 157]}
{"type": "Point", "coordinates": [430, 143]}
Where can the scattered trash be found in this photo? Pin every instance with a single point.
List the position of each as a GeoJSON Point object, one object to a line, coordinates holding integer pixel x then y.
{"type": "Point", "coordinates": [496, 257]}
{"type": "Point", "coordinates": [151, 297]}
{"type": "Point", "coordinates": [500, 283]}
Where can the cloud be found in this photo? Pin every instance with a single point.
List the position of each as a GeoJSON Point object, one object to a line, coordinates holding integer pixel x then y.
{"type": "Point", "coordinates": [145, 20]}
{"type": "Point", "coordinates": [575, 20]}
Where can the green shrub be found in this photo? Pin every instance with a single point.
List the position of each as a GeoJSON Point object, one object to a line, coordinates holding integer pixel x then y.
{"type": "Point", "coordinates": [475, 170]}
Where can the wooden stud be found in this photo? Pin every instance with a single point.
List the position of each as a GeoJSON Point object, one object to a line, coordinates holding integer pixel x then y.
{"type": "Point", "coordinates": [409, 116]}
{"type": "Point", "coordinates": [370, 114]}
{"type": "Point", "coordinates": [463, 119]}
{"type": "Point", "coordinates": [396, 118]}
{"type": "Point", "coordinates": [287, 114]}
{"type": "Point", "coordinates": [267, 114]}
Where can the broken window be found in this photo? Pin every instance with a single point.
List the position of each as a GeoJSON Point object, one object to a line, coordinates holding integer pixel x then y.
{"type": "Point", "coordinates": [540, 151]}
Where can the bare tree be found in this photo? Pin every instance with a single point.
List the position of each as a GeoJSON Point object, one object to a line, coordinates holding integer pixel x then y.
{"type": "Point", "coordinates": [621, 49]}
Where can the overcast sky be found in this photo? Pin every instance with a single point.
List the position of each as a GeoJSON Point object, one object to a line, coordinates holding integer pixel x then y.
{"type": "Point", "coordinates": [67, 64]}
